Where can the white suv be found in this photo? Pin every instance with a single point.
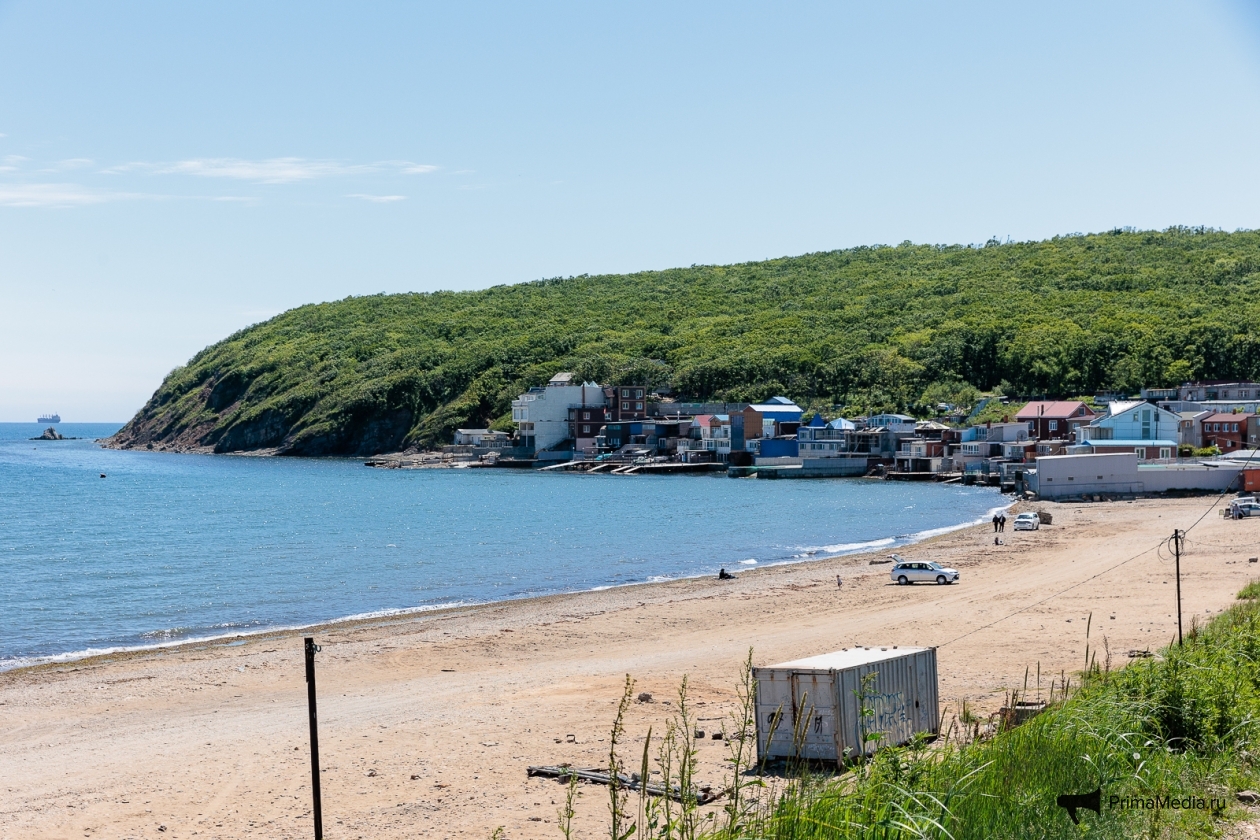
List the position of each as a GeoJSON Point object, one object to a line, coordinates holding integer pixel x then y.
{"type": "Point", "coordinates": [1028, 522]}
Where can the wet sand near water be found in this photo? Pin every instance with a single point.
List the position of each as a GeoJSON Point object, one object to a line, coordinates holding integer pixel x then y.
{"type": "Point", "coordinates": [428, 723]}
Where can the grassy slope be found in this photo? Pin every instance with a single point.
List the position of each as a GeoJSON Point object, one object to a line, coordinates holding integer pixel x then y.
{"type": "Point", "coordinates": [868, 328]}
{"type": "Point", "coordinates": [1184, 724]}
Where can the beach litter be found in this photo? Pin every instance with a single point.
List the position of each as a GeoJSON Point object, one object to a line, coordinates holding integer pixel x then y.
{"type": "Point", "coordinates": [702, 795]}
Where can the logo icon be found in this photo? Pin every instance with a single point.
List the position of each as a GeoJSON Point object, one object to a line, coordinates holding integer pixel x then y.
{"type": "Point", "coordinates": [1072, 801]}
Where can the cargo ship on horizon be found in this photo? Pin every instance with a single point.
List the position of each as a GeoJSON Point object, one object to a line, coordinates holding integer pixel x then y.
{"type": "Point", "coordinates": [50, 418]}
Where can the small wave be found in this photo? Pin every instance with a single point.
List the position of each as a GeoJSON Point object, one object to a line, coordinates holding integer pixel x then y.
{"type": "Point", "coordinates": [850, 548]}
{"type": "Point", "coordinates": [397, 611]}
{"type": "Point", "coordinates": [170, 640]}
{"type": "Point", "coordinates": [919, 536]}
{"type": "Point", "coordinates": [749, 562]}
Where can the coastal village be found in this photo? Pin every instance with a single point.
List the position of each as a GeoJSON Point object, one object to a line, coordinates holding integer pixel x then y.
{"type": "Point", "coordinates": [1196, 437]}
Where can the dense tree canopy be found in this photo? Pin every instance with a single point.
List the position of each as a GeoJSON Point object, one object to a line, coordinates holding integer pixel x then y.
{"type": "Point", "coordinates": [865, 328]}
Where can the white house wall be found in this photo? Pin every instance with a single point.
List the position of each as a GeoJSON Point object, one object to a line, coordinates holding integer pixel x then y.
{"type": "Point", "coordinates": [1061, 476]}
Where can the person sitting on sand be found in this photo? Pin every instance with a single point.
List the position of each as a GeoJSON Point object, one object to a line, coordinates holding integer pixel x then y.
{"type": "Point", "coordinates": [725, 575]}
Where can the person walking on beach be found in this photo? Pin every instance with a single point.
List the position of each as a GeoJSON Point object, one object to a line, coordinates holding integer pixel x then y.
{"type": "Point", "coordinates": [995, 523]}
{"type": "Point", "coordinates": [1002, 521]}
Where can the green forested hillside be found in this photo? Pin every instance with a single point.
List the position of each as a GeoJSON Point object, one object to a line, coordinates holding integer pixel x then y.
{"type": "Point", "coordinates": [865, 328]}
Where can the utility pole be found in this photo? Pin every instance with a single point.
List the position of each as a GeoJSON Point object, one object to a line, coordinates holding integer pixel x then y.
{"type": "Point", "coordinates": [1177, 537]}
{"type": "Point", "coordinates": [311, 650]}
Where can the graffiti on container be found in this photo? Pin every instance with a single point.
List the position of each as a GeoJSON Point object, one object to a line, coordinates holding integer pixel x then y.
{"type": "Point", "coordinates": [889, 709]}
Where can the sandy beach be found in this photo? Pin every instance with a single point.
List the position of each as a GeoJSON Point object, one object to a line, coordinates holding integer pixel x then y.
{"type": "Point", "coordinates": [428, 723]}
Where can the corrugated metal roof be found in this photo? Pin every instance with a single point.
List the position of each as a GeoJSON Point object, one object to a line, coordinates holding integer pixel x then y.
{"type": "Point", "coordinates": [1129, 443]}
{"type": "Point", "coordinates": [848, 658]}
{"type": "Point", "coordinates": [1052, 410]}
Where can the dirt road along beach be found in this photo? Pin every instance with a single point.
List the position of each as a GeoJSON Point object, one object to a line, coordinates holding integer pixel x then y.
{"type": "Point", "coordinates": [427, 724]}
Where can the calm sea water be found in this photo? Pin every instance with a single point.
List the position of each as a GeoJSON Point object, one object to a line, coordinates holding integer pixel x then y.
{"type": "Point", "coordinates": [175, 547]}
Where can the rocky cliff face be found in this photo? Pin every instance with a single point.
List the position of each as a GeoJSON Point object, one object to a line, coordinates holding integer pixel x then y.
{"type": "Point", "coordinates": [268, 432]}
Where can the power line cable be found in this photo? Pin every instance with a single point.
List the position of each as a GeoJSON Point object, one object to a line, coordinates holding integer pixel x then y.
{"type": "Point", "coordinates": [1156, 548]}
{"type": "Point", "coordinates": [1055, 595]}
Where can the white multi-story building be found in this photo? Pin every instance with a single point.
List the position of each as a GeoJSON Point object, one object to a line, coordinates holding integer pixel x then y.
{"type": "Point", "coordinates": [715, 433]}
{"type": "Point", "coordinates": [1132, 420]}
{"type": "Point", "coordinates": [542, 414]}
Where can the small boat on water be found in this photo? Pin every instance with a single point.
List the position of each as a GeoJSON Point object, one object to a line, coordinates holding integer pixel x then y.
{"type": "Point", "coordinates": [50, 418]}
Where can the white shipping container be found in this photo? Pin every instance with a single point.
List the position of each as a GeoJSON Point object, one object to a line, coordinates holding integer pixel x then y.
{"type": "Point", "coordinates": [818, 702]}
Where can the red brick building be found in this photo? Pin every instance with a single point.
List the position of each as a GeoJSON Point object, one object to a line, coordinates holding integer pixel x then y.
{"type": "Point", "coordinates": [1227, 432]}
{"type": "Point", "coordinates": [1055, 419]}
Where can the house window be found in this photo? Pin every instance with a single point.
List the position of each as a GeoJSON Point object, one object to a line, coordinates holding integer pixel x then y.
{"type": "Point", "coordinates": [1140, 451]}
{"type": "Point", "coordinates": [625, 406]}
{"type": "Point", "coordinates": [586, 430]}
{"type": "Point", "coordinates": [1233, 427]}
{"type": "Point", "coordinates": [1165, 453]}
{"type": "Point", "coordinates": [1054, 425]}
{"type": "Point", "coordinates": [638, 406]}
{"type": "Point", "coordinates": [586, 415]}
{"type": "Point", "coordinates": [625, 393]}
{"type": "Point", "coordinates": [638, 394]}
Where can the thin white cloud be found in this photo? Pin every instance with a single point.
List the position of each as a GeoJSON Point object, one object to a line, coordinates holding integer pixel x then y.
{"type": "Point", "coordinates": [57, 195]}
{"type": "Point", "coordinates": [283, 170]}
{"type": "Point", "coordinates": [379, 199]}
{"type": "Point", "coordinates": [73, 163]}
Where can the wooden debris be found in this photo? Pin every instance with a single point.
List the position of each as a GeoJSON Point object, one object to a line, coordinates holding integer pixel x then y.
{"type": "Point", "coordinates": [702, 796]}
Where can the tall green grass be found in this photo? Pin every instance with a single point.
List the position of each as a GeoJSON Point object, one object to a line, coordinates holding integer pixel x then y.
{"type": "Point", "coordinates": [1185, 723]}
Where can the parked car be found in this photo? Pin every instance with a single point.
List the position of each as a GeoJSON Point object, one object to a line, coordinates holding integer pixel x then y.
{"type": "Point", "coordinates": [1239, 509]}
{"type": "Point", "coordinates": [1027, 522]}
{"type": "Point", "coordinates": [912, 571]}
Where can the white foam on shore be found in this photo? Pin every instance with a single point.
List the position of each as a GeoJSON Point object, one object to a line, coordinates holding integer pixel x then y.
{"type": "Point", "coordinates": [75, 655]}
{"type": "Point", "coordinates": [839, 549]}
{"type": "Point", "coordinates": [919, 536]}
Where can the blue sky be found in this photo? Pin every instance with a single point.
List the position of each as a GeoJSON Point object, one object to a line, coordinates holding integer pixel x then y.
{"type": "Point", "coordinates": [170, 173]}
